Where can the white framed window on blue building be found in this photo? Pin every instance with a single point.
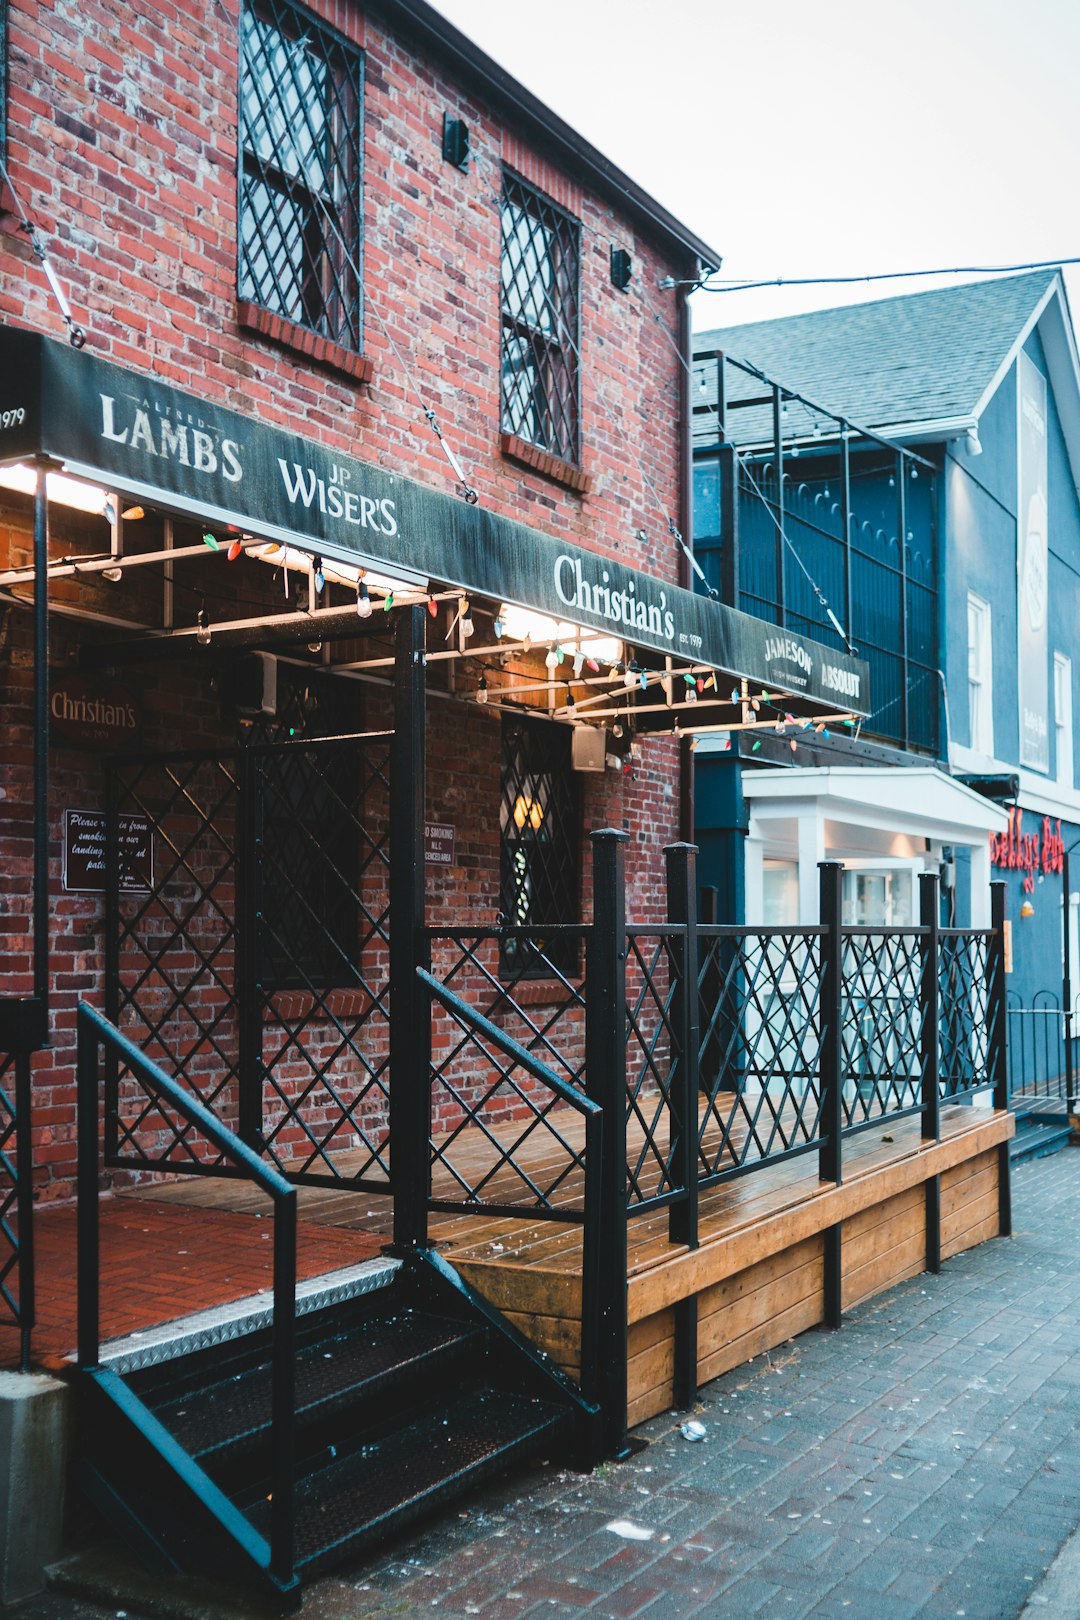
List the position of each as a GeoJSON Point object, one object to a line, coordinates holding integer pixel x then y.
{"type": "Point", "coordinates": [1063, 719]}
{"type": "Point", "coordinates": [980, 676]}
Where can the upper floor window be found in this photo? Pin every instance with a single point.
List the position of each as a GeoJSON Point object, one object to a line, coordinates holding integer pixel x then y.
{"type": "Point", "coordinates": [540, 309]}
{"type": "Point", "coordinates": [301, 99]}
{"type": "Point", "coordinates": [980, 688]}
{"type": "Point", "coordinates": [1063, 718]}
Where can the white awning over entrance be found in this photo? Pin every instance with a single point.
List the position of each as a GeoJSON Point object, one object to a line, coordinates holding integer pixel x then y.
{"type": "Point", "coordinates": [885, 819]}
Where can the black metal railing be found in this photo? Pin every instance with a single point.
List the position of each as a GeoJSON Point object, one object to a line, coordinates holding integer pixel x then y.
{"type": "Point", "coordinates": [17, 1294]}
{"type": "Point", "coordinates": [546, 1194]}
{"type": "Point", "coordinates": [94, 1033]}
{"type": "Point", "coordinates": [1037, 1036]}
{"type": "Point", "coordinates": [760, 993]}
{"type": "Point", "coordinates": [252, 962]}
{"type": "Point", "coordinates": [713, 1051]}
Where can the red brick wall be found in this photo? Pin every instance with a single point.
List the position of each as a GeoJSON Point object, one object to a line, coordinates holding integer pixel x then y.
{"type": "Point", "coordinates": [122, 138]}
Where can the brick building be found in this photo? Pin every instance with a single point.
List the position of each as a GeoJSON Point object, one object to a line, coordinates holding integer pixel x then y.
{"type": "Point", "coordinates": [130, 166]}
{"type": "Point", "coordinates": [341, 578]}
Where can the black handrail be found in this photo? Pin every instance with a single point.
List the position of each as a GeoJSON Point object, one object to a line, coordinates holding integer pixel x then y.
{"type": "Point", "coordinates": [593, 1115]}
{"type": "Point", "coordinates": [93, 1032]}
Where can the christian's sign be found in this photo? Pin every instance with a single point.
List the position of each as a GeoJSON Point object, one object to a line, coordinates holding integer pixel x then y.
{"type": "Point", "coordinates": [93, 712]}
{"type": "Point", "coordinates": [150, 440]}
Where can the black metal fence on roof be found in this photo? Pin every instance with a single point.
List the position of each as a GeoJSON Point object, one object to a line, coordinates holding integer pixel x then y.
{"type": "Point", "coordinates": [814, 524]}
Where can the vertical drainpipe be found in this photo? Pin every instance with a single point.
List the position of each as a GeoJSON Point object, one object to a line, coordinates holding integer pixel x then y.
{"type": "Point", "coordinates": [686, 518]}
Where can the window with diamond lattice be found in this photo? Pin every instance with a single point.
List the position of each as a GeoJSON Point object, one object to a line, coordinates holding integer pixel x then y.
{"type": "Point", "coordinates": [540, 822]}
{"type": "Point", "coordinates": [301, 98]}
{"type": "Point", "coordinates": [540, 339]}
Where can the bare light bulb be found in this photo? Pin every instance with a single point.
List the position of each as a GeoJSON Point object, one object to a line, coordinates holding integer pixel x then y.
{"type": "Point", "coordinates": [202, 629]}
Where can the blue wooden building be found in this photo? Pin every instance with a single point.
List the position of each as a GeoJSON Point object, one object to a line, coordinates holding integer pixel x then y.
{"type": "Point", "coordinates": [953, 569]}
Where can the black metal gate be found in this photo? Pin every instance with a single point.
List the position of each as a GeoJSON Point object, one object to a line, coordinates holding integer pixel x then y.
{"type": "Point", "coordinates": [252, 961]}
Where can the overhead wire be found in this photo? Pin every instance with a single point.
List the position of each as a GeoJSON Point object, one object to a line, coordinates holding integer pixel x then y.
{"type": "Point", "coordinates": [752, 285]}
{"type": "Point", "coordinates": [468, 489]}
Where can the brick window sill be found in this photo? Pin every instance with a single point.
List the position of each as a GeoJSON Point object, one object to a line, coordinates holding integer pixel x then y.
{"type": "Point", "coordinates": [542, 992]}
{"type": "Point", "coordinates": [542, 461]}
{"type": "Point", "coordinates": [294, 1005]}
{"type": "Point", "coordinates": [300, 340]}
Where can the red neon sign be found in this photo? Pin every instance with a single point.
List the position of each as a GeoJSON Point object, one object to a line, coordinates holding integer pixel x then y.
{"type": "Point", "coordinates": [1030, 853]}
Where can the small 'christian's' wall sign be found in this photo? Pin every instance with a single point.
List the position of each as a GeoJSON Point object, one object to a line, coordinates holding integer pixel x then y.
{"type": "Point", "coordinates": [93, 712]}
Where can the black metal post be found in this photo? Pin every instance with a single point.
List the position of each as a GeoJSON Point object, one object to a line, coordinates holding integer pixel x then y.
{"type": "Point", "coordinates": [930, 1043]}
{"type": "Point", "coordinates": [87, 1234]}
{"type": "Point", "coordinates": [41, 753]}
{"type": "Point", "coordinates": [24, 1172]}
{"type": "Point", "coordinates": [845, 518]}
{"type": "Point", "coordinates": [1066, 990]}
{"type": "Point", "coordinates": [999, 1046]}
{"type": "Point", "coordinates": [930, 1053]}
{"type": "Point", "coordinates": [410, 1009]}
{"type": "Point", "coordinates": [283, 1389]}
{"type": "Point", "coordinates": [901, 524]}
{"type": "Point", "coordinates": [681, 863]}
{"type": "Point", "coordinates": [605, 1082]}
{"type": "Point", "coordinates": [831, 1078]}
{"type": "Point", "coordinates": [932, 1203]}
{"type": "Point", "coordinates": [778, 456]}
{"type": "Point", "coordinates": [248, 928]}
{"type": "Point", "coordinates": [729, 525]}
{"type": "Point", "coordinates": [830, 1059]}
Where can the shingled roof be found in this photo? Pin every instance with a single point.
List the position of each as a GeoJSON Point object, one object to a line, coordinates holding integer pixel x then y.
{"type": "Point", "coordinates": [924, 358]}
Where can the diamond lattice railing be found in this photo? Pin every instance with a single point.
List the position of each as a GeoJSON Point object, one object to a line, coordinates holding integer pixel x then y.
{"type": "Point", "coordinates": [500, 1138]}
{"type": "Point", "coordinates": [9, 1187]}
{"type": "Point", "coordinates": [653, 1054]}
{"type": "Point", "coordinates": [881, 1035]}
{"type": "Point", "coordinates": [968, 1012]}
{"type": "Point", "coordinates": [323, 959]}
{"type": "Point", "coordinates": [256, 968]}
{"type": "Point", "coordinates": [175, 953]}
{"type": "Point", "coordinates": [759, 1011]}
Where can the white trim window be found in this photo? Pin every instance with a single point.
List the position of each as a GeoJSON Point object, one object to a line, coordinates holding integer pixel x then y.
{"type": "Point", "coordinates": [980, 676]}
{"type": "Point", "coordinates": [1063, 719]}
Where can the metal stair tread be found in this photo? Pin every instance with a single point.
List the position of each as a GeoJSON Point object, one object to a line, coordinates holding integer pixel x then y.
{"type": "Point", "coordinates": [352, 1363]}
{"type": "Point", "coordinates": [1038, 1137]}
{"type": "Point", "coordinates": [418, 1465]}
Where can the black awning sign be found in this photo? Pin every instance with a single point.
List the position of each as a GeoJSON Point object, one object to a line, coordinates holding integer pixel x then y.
{"type": "Point", "coordinates": [85, 854]}
{"type": "Point", "coordinates": [141, 436]}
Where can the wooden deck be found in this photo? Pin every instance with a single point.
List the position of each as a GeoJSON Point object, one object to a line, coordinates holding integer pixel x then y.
{"type": "Point", "coordinates": [758, 1271]}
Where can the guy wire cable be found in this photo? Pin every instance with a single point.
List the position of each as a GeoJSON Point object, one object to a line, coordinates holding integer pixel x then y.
{"type": "Point", "coordinates": [468, 490]}
{"type": "Point", "coordinates": [76, 333]}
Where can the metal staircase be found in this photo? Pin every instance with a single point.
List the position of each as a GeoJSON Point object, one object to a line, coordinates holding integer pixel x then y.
{"type": "Point", "coordinates": [293, 1446]}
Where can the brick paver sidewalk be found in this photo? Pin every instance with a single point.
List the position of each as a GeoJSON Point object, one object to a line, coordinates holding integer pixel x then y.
{"type": "Point", "coordinates": [925, 1460]}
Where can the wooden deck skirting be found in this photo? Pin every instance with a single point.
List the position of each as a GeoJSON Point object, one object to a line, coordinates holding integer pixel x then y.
{"type": "Point", "coordinates": [758, 1273]}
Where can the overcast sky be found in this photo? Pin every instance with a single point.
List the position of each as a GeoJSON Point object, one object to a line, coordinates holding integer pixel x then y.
{"type": "Point", "coordinates": [828, 138]}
